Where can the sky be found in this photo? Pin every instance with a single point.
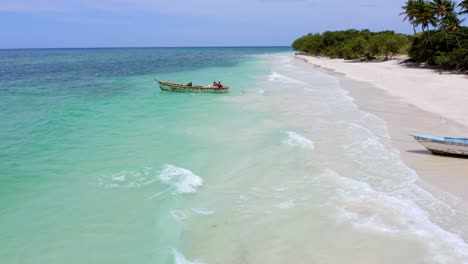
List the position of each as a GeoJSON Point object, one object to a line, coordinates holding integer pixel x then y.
{"type": "Point", "coordinates": [186, 23]}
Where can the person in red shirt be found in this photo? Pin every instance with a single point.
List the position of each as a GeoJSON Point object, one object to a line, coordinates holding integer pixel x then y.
{"type": "Point", "coordinates": [215, 84]}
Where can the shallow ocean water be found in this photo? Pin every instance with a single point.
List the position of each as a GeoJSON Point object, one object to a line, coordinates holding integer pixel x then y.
{"type": "Point", "coordinates": [99, 166]}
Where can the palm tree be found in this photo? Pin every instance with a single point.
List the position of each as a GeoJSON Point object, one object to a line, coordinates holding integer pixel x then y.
{"type": "Point", "coordinates": [464, 7]}
{"type": "Point", "coordinates": [442, 7]}
{"type": "Point", "coordinates": [452, 23]}
{"type": "Point", "coordinates": [425, 16]}
{"type": "Point", "coordinates": [444, 11]}
{"type": "Point", "coordinates": [410, 13]}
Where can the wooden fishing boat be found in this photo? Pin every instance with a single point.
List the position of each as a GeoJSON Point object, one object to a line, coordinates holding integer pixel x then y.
{"type": "Point", "coordinates": [177, 87]}
{"type": "Point", "coordinates": [443, 145]}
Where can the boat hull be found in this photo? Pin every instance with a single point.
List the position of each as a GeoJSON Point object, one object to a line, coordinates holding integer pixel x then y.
{"type": "Point", "coordinates": [443, 145]}
{"type": "Point", "coordinates": [175, 87]}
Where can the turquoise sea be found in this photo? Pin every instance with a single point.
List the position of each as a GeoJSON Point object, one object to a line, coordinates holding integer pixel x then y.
{"type": "Point", "coordinates": [100, 166]}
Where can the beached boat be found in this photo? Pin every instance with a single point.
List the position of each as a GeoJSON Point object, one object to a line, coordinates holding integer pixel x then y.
{"type": "Point", "coordinates": [443, 145]}
{"type": "Point", "coordinates": [177, 87]}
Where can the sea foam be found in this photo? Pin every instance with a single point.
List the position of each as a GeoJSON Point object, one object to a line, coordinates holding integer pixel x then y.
{"type": "Point", "coordinates": [180, 179]}
{"type": "Point", "coordinates": [203, 211]}
{"type": "Point", "coordinates": [178, 216]}
{"type": "Point", "coordinates": [128, 179]}
{"type": "Point", "coordinates": [285, 205]}
{"type": "Point", "coordinates": [371, 210]}
{"type": "Point", "coordinates": [276, 77]}
{"type": "Point", "coordinates": [180, 259]}
{"type": "Point", "coordinates": [296, 140]}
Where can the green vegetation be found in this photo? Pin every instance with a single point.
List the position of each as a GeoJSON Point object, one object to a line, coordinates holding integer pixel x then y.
{"type": "Point", "coordinates": [353, 44]}
{"type": "Point", "coordinates": [443, 41]}
{"type": "Point", "coordinates": [448, 49]}
{"type": "Point", "coordinates": [446, 44]}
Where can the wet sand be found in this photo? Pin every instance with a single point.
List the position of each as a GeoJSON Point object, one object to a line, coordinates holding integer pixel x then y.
{"type": "Point", "coordinates": [404, 115]}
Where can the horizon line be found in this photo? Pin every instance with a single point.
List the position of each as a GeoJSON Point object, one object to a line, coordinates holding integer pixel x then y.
{"type": "Point", "coordinates": [149, 47]}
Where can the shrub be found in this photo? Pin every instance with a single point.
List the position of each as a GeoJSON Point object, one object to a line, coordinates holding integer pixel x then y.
{"type": "Point", "coordinates": [449, 49]}
{"type": "Point", "coordinates": [353, 44]}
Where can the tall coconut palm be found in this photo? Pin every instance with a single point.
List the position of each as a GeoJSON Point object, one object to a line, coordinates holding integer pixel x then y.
{"type": "Point", "coordinates": [425, 16]}
{"type": "Point", "coordinates": [442, 7]}
{"type": "Point", "coordinates": [464, 7]}
{"type": "Point", "coordinates": [444, 11]}
{"type": "Point", "coordinates": [452, 22]}
{"type": "Point", "coordinates": [410, 13]}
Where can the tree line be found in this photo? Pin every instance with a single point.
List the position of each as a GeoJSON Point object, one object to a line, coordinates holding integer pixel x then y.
{"type": "Point", "coordinates": [442, 41]}
{"type": "Point", "coordinates": [353, 44]}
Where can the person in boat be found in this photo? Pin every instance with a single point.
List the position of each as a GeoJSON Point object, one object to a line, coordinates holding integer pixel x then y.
{"type": "Point", "coordinates": [215, 84]}
{"type": "Point", "coordinates": [220, 85]}
{"type": "Point", "coordinates": [189, 84]}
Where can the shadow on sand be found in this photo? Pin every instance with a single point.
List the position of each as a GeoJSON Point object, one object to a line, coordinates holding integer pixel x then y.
{"type": "Point", "coordinates": [412, 65]}
{"type": "Point", "coordinates": [428, 153]}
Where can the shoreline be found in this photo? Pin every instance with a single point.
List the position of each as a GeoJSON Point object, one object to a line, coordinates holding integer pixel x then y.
{"type": "Point", "coordinates": [405, 114]}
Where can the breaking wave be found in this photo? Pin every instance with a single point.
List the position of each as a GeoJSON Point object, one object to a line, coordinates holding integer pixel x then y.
{"type": "Point", "coordinates": [128, 179]}
{"type": "Point", "coordinates": [296, 140]}
{"type": "Point", "coordinates": [371, 210]}
{"type": "Point", "coordinates": [276, 77]}
{"type": "Point", "coordinates": [180, 179]}
{"type": "Point", "coordinates": [180, 259]}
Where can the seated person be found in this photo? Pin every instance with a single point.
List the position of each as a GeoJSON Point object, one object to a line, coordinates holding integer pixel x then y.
{"type": "Point", "coordinates": [215, 84]}
{"type": "Point", "coordinates": [189, 84]}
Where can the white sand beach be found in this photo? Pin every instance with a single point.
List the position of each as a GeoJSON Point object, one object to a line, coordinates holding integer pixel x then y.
{"type": "Point", "coordinates": [411, 100]}
{"type": "Point", "coordinates": [436, 92]}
